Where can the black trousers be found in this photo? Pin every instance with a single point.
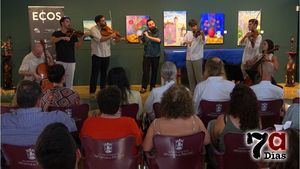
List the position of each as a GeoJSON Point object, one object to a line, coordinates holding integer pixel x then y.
{"type": "Point", "coordinates": [99, 64]}
{"type": "Point", "coordinates": [150, 62]}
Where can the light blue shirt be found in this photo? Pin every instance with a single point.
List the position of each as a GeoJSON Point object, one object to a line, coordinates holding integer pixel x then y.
{"type": "Point", "coordinates": [25, 125]}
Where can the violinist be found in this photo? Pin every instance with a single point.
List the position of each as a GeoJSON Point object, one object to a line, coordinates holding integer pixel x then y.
{"type": "Point", "coordinates": [101, 52]}
{"type": "Point", "coordinates": [65, 42]}
{"type": "Point", "coordinates": [30, 63]}
{"type": "Point", "coordinates": [195, 40]}
{"type": "Point", "coordinates": [252, 41]}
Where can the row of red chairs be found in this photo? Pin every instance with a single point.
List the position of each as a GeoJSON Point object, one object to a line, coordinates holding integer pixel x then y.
{"type": "Point", "coordinates": [171, 152]}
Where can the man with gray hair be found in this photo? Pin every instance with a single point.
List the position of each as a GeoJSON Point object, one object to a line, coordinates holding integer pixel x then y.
{"type": "Point", "coordinates": [168, 78]}
{"type": "Point", "coordinates": [265, 90]}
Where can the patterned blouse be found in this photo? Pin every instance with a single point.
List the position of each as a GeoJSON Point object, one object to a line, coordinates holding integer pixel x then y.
{"type": "Point", "coordinates": [59, 97]}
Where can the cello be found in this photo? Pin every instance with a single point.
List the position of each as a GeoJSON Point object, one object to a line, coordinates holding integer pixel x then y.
{"type": "Point", "coordinates": [42, 69]}
{"type": "Point", "coordinates": [252, 70]}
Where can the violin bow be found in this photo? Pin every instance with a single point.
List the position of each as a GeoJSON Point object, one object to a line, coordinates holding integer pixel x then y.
{"type": "Point", "coordinates": [109, 11]}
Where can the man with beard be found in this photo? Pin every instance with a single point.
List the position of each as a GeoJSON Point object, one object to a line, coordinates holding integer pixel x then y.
{"type": "Point", "coordinates": [65, 41]}
{"type": "Point", "coordinates": [151, 40]}
{"type": "Point", "coordinates": [101, 53]}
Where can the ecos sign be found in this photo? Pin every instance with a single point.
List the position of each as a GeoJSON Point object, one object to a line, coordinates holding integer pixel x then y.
{"type": "Point", "coordinates": [46, 16]}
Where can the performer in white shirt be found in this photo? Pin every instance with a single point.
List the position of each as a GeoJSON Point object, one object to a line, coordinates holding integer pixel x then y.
{"type": "Point", "coordinates": [101, 53]}
{"type": "Point", "coordinates": [168, 77]}
{"type": "Point", "coordinates": [265, 90]}
{"type": "Point", "coordinates": [215, 87]}
{"type": "Point", "coordinates": [252, 41]}
{"type": "Point", "coordinates": [195, 40]}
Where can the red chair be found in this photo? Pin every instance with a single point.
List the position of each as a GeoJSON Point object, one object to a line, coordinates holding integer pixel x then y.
{"type": "Point", "coordinates": [210, 110]}
{"type": "Point", "coordinates": [156, 108]}
{"type": "Point", "coordinates": [78, 112]}
{"type": "Point", "coordinates": [18, 157]}
{"type": "Point", "coordinates": [7, 109]}
{"type": "Point", "coordinates": [237, 154]}
{"type": "Point", "coordinates": [270, 112]}
{"type": "Point", "coordinates": [130, 110]}
{"type": "Point", "coordinates": [114, 153]}
{"type": "Point", "coordinates": [177, 152]}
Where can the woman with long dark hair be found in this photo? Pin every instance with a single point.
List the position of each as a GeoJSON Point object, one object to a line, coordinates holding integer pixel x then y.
{"type": "Point", "coordinates": [243, 115]}
{"type": "Point", "coordinates": [117, 76]}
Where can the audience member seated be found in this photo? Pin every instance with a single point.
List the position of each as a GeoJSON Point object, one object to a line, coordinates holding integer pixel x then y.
{"type": "Point", "coordinates": [109, 124]}
{"type": "Point", "coordinates": [58, 96]}
{"type": "Point", "coordinates": [25, 125]}
{"type": "Point", "coordinates": [243, 116]}
{"type": "Point", "coordinates": [292, 114]}
{"type": "Point", "coordinates": [168, 77]}
{"type": "Point", "coordinates": [292, 161]}
{"type": "Point", "coordinates": [215, 87]}
{"type": "Point", "coordinates": [117, 76]}
{"type": "Point", "coordinates": [177, 117]}
{"type": "Point", "coordinates": [265, 90]}
{"type": "Point", "coordinates": [56, 148]}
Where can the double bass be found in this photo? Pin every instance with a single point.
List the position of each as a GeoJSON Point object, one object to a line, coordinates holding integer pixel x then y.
{"type": "Point", "coordinates": [42, 69]}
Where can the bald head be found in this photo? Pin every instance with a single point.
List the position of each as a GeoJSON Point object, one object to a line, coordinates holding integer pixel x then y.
{"type": "Point", "coordinates": [267, 70]}
{"type": "Point", "coordinates": [214, 67]}
{"type": "Point", "coordinates": [37, 50]}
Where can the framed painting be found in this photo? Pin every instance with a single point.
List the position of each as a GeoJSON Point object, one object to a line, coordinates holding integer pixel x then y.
{"type": "Point", "coordinates": [174, 27]}
{"type": "Point", "coordinates": [243, 18]}
{"type": "Point", "coordinates": [213, 26]}
{"type": "Point", "coordinates": [135, 26]}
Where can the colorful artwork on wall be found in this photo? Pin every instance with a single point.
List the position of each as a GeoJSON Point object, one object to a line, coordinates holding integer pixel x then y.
{"type": "Point", "coordinates": [174, 27]}
{"type": "Point", "coordinates": [243, 18]}
{"type": "Point", "coordinates": [213, 26]}
{"type": "Point", "coordinates": [88, 24]}
{"type": "Point", "coordinates": [135, 26]}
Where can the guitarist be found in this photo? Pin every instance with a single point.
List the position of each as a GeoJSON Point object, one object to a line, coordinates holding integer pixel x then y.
{"type": "Point", "coordinates": [30, 63]}
{"type": "Point", "coordinates": [252, 41]}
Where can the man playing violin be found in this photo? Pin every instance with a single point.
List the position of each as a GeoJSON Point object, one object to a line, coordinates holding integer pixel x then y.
{"type": "Point", "coordinates": [195, 40]}
{"type": "Point", "coordinates": [252, 41]}
{"type": "Point", "coordinates": [101, 52]}
{"type": "Point", "coordinates": [65, 42]}
{"type": "Point", "coordinates": [151, 40]}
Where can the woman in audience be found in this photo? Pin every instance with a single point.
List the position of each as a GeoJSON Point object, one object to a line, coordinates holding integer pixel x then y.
{"type": "Point", "coordinates": [292, 161]}
{"type": "Point", "coordinates": [243, 116]}
{"type": "Point", "coordinates": [58, 96]}
{"type": "Point", "coordinates": [108, 124]}
{"type": "Point", "coordinates": [117, 76]}
{"type": "Point", "coordinates": [177, 117]}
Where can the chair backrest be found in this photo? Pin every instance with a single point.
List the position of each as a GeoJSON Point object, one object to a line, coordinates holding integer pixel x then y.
{"type": "Point", "coordinates": [20, 157]}
{"type": "Point", "coordinates": [7, 109]}
{"type": "Point", "coordinates": [179, 152]}
{"type": "Point", "coordinates": [114, 153]}
{"type": "Point", "coordinates": [210, 110]}
{"type": "Point", "coordinates": [296, 100]}
{"type": "Point", "coordinates": [270, 112]}
{"type": "Point", "coordinates": [78, 112]}
{"type": "Point", "coordinates": [130, 110]}
{"type": "Point", "coordinates": [156, 107]}
{"type": "Point", "coordinates": [237, 154]}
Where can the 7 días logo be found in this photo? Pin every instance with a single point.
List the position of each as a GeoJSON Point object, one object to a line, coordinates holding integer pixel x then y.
{"type": "Point", "coordinates": [276, 142]}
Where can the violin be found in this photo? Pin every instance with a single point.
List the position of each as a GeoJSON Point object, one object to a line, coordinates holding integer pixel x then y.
{"type": "Point", "coordinates": [197, 33]}
{"type": "Point", "coordinates": [72, 32]}
{"type": "Point", "coordinates": [253, 36]}
{"type": "Point", "coordinates": [107, 31]}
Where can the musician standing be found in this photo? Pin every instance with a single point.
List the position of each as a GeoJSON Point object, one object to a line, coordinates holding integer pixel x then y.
{"type": "Point", "coordinates": [151, 40]}
{"type": "Point", "coordinates": [65, 48]}
{"type": "Point", "coordinates": [195, 40]}
{"type": "Point", "coordinates": [30, 63]}
{"type": "Point", "coordinates": [252, 41]}
{"type": "Point", "coordinates": [101, 53]}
